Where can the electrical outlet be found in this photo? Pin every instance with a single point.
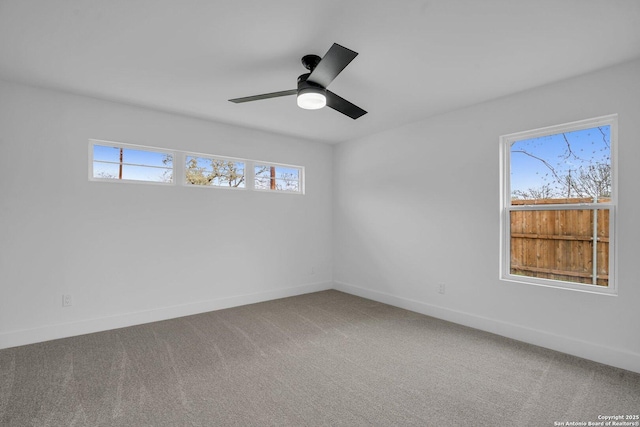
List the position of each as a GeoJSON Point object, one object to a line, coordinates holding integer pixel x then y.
{"type": "Point", "coordinates": [66, 300]}
{"type": "Point", "coordinates": [441, 288]}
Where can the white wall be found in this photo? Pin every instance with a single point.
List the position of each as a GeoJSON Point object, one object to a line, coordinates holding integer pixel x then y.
{"type": "Point", "coordinates": [136, 253]}
{"type": "Point", "coordinates": [419, 205]}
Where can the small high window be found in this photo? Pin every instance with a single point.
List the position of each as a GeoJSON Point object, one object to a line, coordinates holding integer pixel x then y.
{"type": "Point", "coordinates": [278, 178]}
{"type": "Point", "coordinates": [119, 162]}
{"type": "Point", "coordinates": [558, 205]}
{"type": "Point", "coordinates": [212, 171]}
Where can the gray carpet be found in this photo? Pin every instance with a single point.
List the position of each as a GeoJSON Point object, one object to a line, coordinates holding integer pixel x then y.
{"type": "Point", "coordinates": [322, 359]}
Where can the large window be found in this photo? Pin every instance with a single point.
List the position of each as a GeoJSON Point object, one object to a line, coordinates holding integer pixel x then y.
{"type": "Point", "coordinates": [558, 206]}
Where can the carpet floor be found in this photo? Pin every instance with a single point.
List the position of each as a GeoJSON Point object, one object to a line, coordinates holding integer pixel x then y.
{"type": "Point", "coordinates": [321, 359]}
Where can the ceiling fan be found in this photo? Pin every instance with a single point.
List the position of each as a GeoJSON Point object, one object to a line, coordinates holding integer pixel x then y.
{"type": "Point", "coordinates": [312, 92]}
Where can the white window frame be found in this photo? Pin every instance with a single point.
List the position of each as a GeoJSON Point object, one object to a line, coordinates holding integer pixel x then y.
{"type": "Point", "coordinates": [94, 142]}
{"type": "Point", "coordinates": [506, 207]}
{"type": "Point", "coordinates": [301, 174]}
{"type": "Point", "coordinates": [183, 162]}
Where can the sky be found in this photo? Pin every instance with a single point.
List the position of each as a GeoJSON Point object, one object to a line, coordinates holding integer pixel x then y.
{"type": "Point", "coordinates": [580, 149]}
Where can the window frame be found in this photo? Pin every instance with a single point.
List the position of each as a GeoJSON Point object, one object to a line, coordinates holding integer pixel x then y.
{"type": "Point", "coordinates": [103, 143]}
{"type": "Point", "coordinates": [506, 207]}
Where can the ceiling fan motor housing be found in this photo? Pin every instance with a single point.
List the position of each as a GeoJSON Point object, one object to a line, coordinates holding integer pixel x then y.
{"type": "Point", "coordinates": [306, 86]}
{"type": "Point", "coordinates": [311, 96]}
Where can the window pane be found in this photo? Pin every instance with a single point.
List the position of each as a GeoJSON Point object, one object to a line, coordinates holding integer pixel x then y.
{"type": "Point", "coordinates": [145, 173]}
{"type": "Point", "coordinates": [568, 167]}
{"type": "Point", "coordinates": [104, 153]}
{"type": "Point", "coordinates": [559, 244]}
{"type": "Point", "coordinates": [287, 185]}
{"type": "Point", "coordinates": [214, 172]}
{"type": "Point", "coordinates": [262, 183]}
{"type": "Point", "coordinates": [284, 178]}
{"type": "Point", "coordinates": [287, 173]}
{"type": "Point", "coordinates": [105, 170]}
{"type": "Point", "coordinates": [262, 171]}
{"type": "Point", "coordinates": [114, 162]}
{"type": "Point", "coordinates": [147, 158]}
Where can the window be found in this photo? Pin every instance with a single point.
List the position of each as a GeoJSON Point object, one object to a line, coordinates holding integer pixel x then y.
{"type": "Point", "coordinates": [217, 172]}
{"type": "Point", "coordinates": [278, 178]}
{"type": "Point", "coordinates": [119, 162]}
{"type": "Point", "coordinates": [558, 206]}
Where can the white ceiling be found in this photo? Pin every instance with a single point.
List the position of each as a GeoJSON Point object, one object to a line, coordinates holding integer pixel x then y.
{"type": "Point", "coordinates": [417, 57]}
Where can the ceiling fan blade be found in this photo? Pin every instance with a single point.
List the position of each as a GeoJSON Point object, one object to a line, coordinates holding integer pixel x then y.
{"type": "Point", "coordinates": [265, 96]}
{"type": "Point", "coordinates": [343, 106]}
{"type": "Point", "coordinates": [331, 65]}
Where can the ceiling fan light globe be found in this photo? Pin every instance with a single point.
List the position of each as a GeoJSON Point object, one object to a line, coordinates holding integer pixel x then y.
{"type": "Point", "coordinates": [310, 100]}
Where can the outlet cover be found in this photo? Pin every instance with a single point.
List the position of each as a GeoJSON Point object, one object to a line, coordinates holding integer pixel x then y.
{"type": "Point", "coordinates": [66, 300]}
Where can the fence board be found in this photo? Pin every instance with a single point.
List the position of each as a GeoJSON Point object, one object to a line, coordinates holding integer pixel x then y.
{"type": "Point", "coordinates": [558, 244]}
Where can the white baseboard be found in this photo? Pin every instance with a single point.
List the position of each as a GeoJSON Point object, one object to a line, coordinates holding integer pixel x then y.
{"type": "Point", "coordinates": [86, 326]}
{"type": "Point", "coordinates": [586, 350]}
{"type": "Point", "coordinates": [609, 356]}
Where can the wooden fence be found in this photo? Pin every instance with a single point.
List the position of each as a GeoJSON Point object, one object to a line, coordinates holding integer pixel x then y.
{"type": "Point", "coordinates": [558, 244]}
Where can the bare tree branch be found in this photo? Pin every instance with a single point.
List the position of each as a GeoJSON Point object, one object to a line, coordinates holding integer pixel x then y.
{"type": "Point", "coordinates": [604, 137]}
{"type": "Point", "coordinates": [551, 168]}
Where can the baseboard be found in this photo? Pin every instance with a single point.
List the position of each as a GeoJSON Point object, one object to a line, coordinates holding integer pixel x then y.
{"type": "Point", "coordinates": [586, 350]}
{"type": "Point", "coordinates": [609, 356]}
{"type": "Point", "coordinates": [63, 330]}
